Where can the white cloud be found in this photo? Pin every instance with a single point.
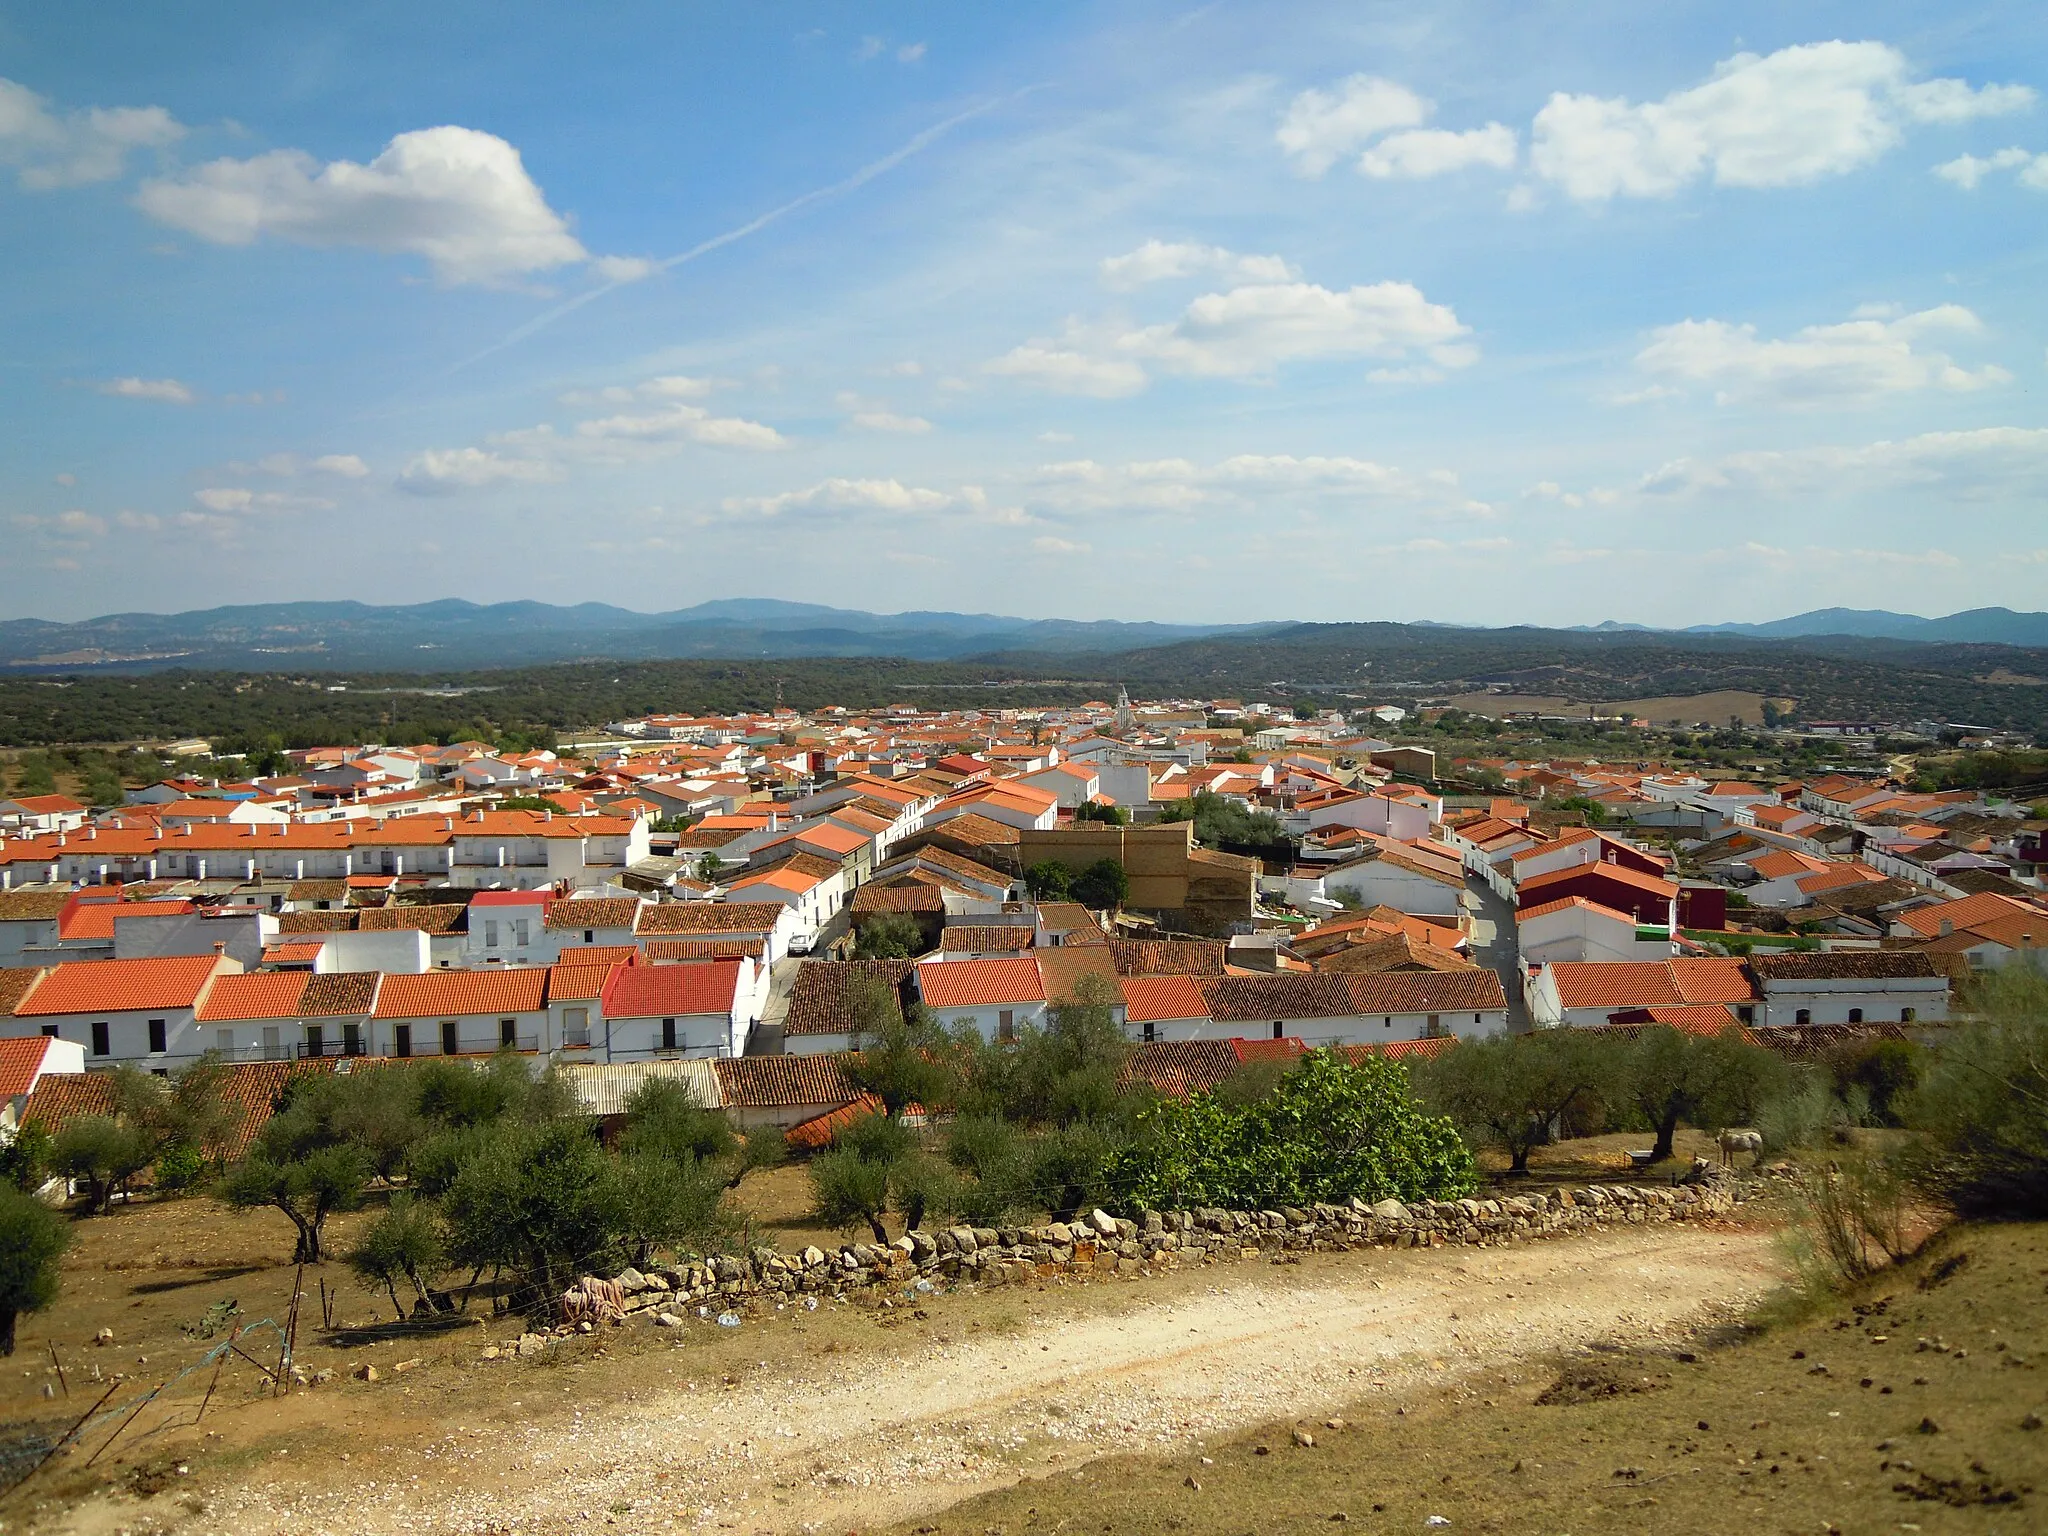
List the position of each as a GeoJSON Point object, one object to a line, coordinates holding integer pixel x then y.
{"type": "Point", "coordinates": [74, 525]}
{"type": "Point", "coordinates": [50, 151]}
{"type": "Point", "coordinates": [241, 501]}
{"type": "Point", "coordinates": [678, 386]}
{"type": "Point", "coordinates": [1156, 260]}
{"type": "Point", "coordinates": [347, 465]}
{"type": "Point", "coordinates": [889, 421]}
{"type": "Point", "coordinates": [1435, 151]}
{"type": "Point", "coordinates": [1246, 332]}
{"type": "Point", "coordinates": [839, 495]}
{"type": "Point", "coordinates": [1984, 463]}
{"type": "Point", "coordinates": [1254, 329]}
{"type": "Point", "coordinates": [459, 197]}
{"type": "Point", "coordinates": [1784, 119]}
{"type": "Point", "coordinates": [170, 391]}
{"type": "Point", "coordinates": [910, 53]}
{"type": "Point", "coordinates": [442, 470]}
{"type": "Point", "coordinates": [1856, 359]}
{"type": "Point", "coordinates": [1246, 481]}
{"type": "Point", "coordinates": [1049, 545]}
{"type": "Point", "coordinates": [1322, 127]}
{"type": "Point", "coordinates": [1968, 170]}
{"type": "Point", "coordinates": [1068, 370]}
{"type": "Point", "coordinates": [65, 477]}
{"type": "Point", "coordinates": [684, 423]}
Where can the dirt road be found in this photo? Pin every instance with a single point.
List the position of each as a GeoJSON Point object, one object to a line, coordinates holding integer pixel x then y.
{"type": "Point", "coordinates": [828, 1443]}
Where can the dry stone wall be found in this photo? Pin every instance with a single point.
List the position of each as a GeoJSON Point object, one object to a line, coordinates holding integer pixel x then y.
{"type": "Point", "coordinates": [1102, 1246]}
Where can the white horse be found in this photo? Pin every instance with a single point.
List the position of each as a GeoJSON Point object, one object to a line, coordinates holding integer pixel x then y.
{"type": "Point", "coordinates": [1732, 1142]}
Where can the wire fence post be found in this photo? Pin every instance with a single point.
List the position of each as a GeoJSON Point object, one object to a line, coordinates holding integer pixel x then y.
{"type": "Point", "coordinates": [284, 1334]}
{"type": "Point", "coordinates": [59, 1364]}
{"type": "Point", "coordinates": [220, 1361]}
{"type": "Point", "coordinates": [147, 1398]}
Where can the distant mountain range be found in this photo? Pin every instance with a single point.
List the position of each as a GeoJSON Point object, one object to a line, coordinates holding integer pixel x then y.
{"type": "Point", "coordinates": [451, 635]}
{"type": "Point", "coordinates": [1975, 626]}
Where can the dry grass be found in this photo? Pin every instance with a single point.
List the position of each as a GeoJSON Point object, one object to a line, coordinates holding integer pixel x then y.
{"type": "Point", "coordinates": [1841, 1423]}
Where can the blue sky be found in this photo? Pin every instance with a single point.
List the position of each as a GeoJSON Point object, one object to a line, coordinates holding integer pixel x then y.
{"type": "Point", "coordinates": [1481, 313]}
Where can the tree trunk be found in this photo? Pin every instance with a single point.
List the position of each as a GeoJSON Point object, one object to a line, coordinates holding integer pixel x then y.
{"type": "Point", "coordinates": [881, 1232]}
{"type": "Point", "coordinates": [1520, 1163]}
{"type": "Point", "coordinates": [397, 1307]}
{"type": "Point", "coordinates": [7, 1315]}
{"type": "Point", "coordinates": [1667, 1128]}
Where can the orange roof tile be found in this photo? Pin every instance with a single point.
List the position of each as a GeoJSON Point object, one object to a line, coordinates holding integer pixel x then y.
{"type": "Point", "coordinates": [976, 983]}
{"type": "Point", "coordinates": [118, 986]}
{"type": "Point", "coordinates": [258, 995]}
{"type": "Point", "coordinates": [1150, 999]}
{"type": "Point", "coordinates": [450, 994]}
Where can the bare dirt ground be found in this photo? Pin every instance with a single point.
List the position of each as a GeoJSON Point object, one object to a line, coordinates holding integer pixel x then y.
{"type": "Point", "coordinates": [849, 1418]}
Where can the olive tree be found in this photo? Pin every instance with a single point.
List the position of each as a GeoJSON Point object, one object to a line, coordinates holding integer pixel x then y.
{"type": "Point", "coordinates": [32, 1241]}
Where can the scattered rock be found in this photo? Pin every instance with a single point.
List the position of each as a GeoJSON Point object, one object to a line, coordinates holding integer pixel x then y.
{"type": "Point", "coordinates": [367, 1372]}
{"type": "Point", "coordinates": [492, 1353]}
{"type": "Point", "coordinates": [1927, 1427]}
{"type": "Point", "coordinates": [104, 1336]}
{"type": "Point", "coordinates": [1190, 1483]}
{"type": "Point", "coordinates": [2031, 1421]}
{"type": "Point", "coordinates": [1304, 1439]}
{"type": "Point", "coordinates": [1337, 1424]}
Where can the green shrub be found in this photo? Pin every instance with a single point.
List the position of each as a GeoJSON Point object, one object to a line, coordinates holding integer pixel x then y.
{"type": "Point", "coordinates": [405, 1243]}
{"type": "Point", "coordinates": [1982, 1107]}
{"type": "Point", "coordinates": [1330, 1130]}
{"type": "Point", "coordinates": [32, 1241]}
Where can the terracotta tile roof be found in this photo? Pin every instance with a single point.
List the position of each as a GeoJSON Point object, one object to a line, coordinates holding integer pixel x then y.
{"type": "Point", "coordinates": [450, 994]}
{"type": "Point", "coordinates": [979, 983]}
{"type": "Point", "coordinates": [14, 984]}
{"type": "Point", "coordinates": [910, 896]}
{"type": "Point", "coordinates": [442, 918]}
{"type": "Point", "coordinates": [1848, 964]}
{"type": "Point", "coordinates": [710, 917]}
{"type": "Point", "coordinates": [62, 1097]}
{"type": "Point", "coordinates": [820, 999]}
{"type": "Point", "coordinates": [650, 991]}
{"type": "Point", "coordinates": [1177, 1068]}
{"type": "Point", "coordinates": [709, 837]}
{"type": "Point", "coordinates": [340, 994]}
{"type": "Point", "coordinates": [975, 939]}
{"type": "Point", "coordinates": [1390, 952]}
{"type": "Point", "coordinates": [317, 890]}
{"type": "Point", "coordinates": [1692, 1018]}
{"type": "Point", "coordinates": [1149, 999]}
{"type": "Point", "coordinates": [20, 1060]}
{"type": "Point", "coordinates": [802, 864]}
{"type": "Point", "coordinates": [1566, 903]}
{"type": "Point", "coordinates": [317, 922]}
{"type": "Point", "coordinates": [1249, 999]}
{"type": "Point", "coordinates": [1712, 980]}
{"type": "Point", "coordinates": [1966, 913]}
{"type": "Point", "coordinates": [116, 986]}
{"type": "Point", "coordinates": [1388, 992]}
{"type": "Point", "coordinates": [253, 1087]}
{"type": "Point", "coordinates": [594, 912]}
{"type": "Point", "coordinates": [1398, 1050]}
{"type": "Point", "coordinates": [577, 983]}
{"type": "Point", "coordinates": [1806, 1041]}
{"type": "Point", "coordinates": [820, 1131]}
{"type": "Point", "coordinates": [1063, 966]}
{"type": "Point", "coordinates": [95, 919]}
{"type": "Point", "coordinates": [1632, 1030]}
{"type": "Point", "coordinates": [1614, 984]}
{"type": "Point", "coordinates": [780, 878]}
{"type": "Point", "coordinates": [598, 954]}
{"type": "Point", "coordinates": [1168, 957]}
{"type": "Point", "coordinates": [979, 831]}
{"type": "Point", "coordinates": [292, 954]}
{"type": "Point", "coordinates": [1532, 891]}
{"type": "Point", "coordinates": [666, 950]}
{"type": "Point", "coordinates": [258, 995]}
{"type": "Point", "coordinates": [782, 1082]}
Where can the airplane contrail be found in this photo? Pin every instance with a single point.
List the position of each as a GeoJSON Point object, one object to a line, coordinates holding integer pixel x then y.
{"type": "Point", "coordinates": [859, 178]}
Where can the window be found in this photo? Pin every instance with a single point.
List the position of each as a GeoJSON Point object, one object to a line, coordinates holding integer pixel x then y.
{"type": "Point", "coordinates": [576, 1026]}
{"type": "Point", "coordinates": [1279, 1029]}
{"type": "Point", "coordinates": [351, 1039]}
{"type": "Point", "coordinates": [1855, 1015]}
{"type": "Point", "coordinates": [1906, 1015]}
{"type": "Point", "coordinates": [224, 1042]}
{"type": "Point", "coordinates": [401, 1040]}
{"type": "Point", "coordinates": [508, 1031]}
{"type": "Point", "coordinates": [490, 933]}
{"type": "Point", "coordinates": [101, 1045]}
{"type": "Point", "coordinates": [49, 1031]}
{"type": "Point", "coordinates": [1803, 1016]}
{"type": "Point", "coordinates": [1006, 1025]}
{"type": "Point", "coordinates": [668, 1034]}
{"type": "Point", "coordinates": [521, 933]}
{"type": "Point", "coordinates": [1746, 1012]}
{"type": "Point", "coordinates": [590, 935]}
{"type": "Point", "coordinates": [159, 1036]}
{"type": "Point", "coordinates": [273, 1043]}
{"type": "Point", "coordinates": [316, 1040]}
{"type": "Point", "coordinates": [451, 1039]}
{"type": "Point", "coordinates": [1433, 1028]}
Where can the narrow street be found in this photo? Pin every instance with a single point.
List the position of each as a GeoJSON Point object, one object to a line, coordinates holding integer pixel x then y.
{"type": "Point", "coordinates": [1494, 946]}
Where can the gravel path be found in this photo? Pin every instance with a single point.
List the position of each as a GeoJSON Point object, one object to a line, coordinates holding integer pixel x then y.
{"type": "Point", "coordinates": [890, 1436]}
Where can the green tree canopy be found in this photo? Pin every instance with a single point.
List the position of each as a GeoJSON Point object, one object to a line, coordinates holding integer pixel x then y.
{"type": "Point", "coordinates": [32, 1242]}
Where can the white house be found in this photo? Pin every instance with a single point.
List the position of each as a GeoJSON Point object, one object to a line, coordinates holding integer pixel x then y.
{"type": "Point", "coordinates": [1575, 928]}
{"type": "Point", "coordinates": [509, 928]}
{"type": "Point", "coordinates": [699, 1008]}
{"type": "Point", "coordinates": [26, 1061]}
{"type": "Point", "coordinates": [1363, 1009]}
{"type": "Point", "coordinates": [1851, 987]}
{"type": "Point", "coordinates": [1402, 877]}
{"type": "Point", "coordinates": [453, 1013]}
{"type": "Point", "coordinates": [997, 997]}
{"type": "Point", "coordinates": [134, 1011]}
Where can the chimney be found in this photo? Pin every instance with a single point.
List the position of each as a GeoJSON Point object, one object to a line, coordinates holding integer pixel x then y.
{"type": "Point", "coordinates": [1947, 928]}
{"type": "Point", "coordinates": [219, 948]}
